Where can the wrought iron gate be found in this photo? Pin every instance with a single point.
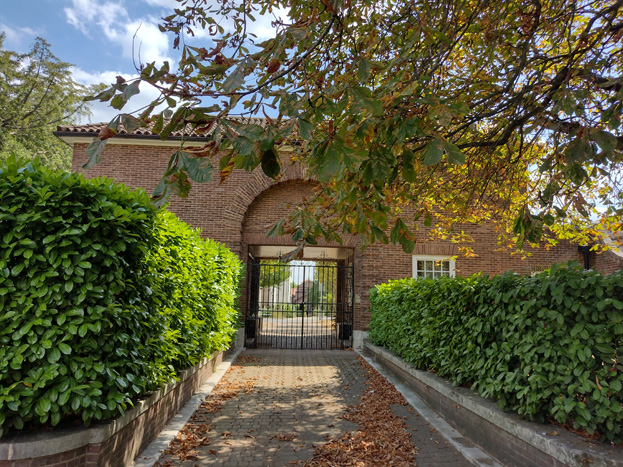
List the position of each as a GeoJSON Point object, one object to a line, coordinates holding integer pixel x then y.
{"type": "Point", "coordinates": [299, 305]}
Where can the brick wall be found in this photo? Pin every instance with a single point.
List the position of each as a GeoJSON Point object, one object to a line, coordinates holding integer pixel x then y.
{"type": "Point", "coordinates": [74, 458]}
{"type": "Point", "coordinates": [512, 441]}
{"type": "Point", "coordinates": [218, 209]}
{"type": "Point", "coordinates": [239, 211]}
{"type": "Point", "coordinates": [606, 262]}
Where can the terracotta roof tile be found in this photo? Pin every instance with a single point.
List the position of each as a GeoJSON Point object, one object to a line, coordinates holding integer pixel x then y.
{"type": "Point", "coordinates": [93, 129]}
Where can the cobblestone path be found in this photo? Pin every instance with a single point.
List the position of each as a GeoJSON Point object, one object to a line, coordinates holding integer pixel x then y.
{"type": "Point", "coordinates": [274, 406]}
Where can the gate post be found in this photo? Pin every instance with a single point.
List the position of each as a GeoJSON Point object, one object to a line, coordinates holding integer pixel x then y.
{"type": "Point", "coordinates": [251, 327]}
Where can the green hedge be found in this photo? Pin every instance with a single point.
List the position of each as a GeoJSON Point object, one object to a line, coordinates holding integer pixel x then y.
{"type": "Point", "coordinates": [548, 347]}
{"type": "Point", "coordinates": [194, 283]}
{"type": "Point", "coordinates": [102, 297]}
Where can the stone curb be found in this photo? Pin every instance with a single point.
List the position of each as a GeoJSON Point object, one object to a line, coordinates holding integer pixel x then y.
{"type": "Point", "coordinates": [472, 453]}
{"type": "Point", "coordinates": [565, 447]}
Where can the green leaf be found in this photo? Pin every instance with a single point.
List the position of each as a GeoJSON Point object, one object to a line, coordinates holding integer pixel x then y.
{"type": "Point", "coordinates": [455, 156]}
{"type": "Point", "coordinates": [270, 163]}
{"type": "Point", "coordinates": [428, 220]}
{"type": "Point", "coordinates": [407, 244]}
{"type": "Point", "coordinates": [129, 122]}
{"type": "Point", "coordinates": [325, 160]}
{"type": "Point", "coordinates": [606, 140]}
{"type": "Point", "coordinates": [66, 349]}
{"type": "Point", "coordinates": [94, 153]}
{"type": "Point", "coordinates": [54, 355]}
{"type": "Point", "coordinates": [234, 80]}
{"type": "Point", "coordinates": [157, 128]}
{"type": "Point", "coordinates": [198, 169]}
{"type": "Point", "coordinates": [8, 237]}
{"type": "Point", "coordinates": [175, 121]}
{"type": "Point", "coordinates": [214, 69]}
{"type": "Point", "coordinates": [75, 403]}
{"type": "Point", "coordinates": [276, 229]}
{"type": "Point", "coordinates": [298, 33]}
{"type": "Point", "coordinates": [131, 89]}
{"type": "Point", "coordinates": [408, 170]}
{"type": "Point", "coordinates": [433, 151]}
{"type": "Point", "coordinates": [578, 150]}
{"type": "Point", "coordinates": [118, 102]}
{"type": "Point", "coordinates": [19, 267]}
{"type": "Point", "coordinates": [305, 129]}
{"type": "Point", "coordinates": [103, 96]}
{"type": "Point", "coordinates": [363, 98]}
{"type": "Point", "coordinates": [16, 362]}
{"type": "Point", "coordinates": [363, 70]}
{"type": "Point", "coordinates": [64, 397]}
{"type": "Point", "coordinates": [18, 422]}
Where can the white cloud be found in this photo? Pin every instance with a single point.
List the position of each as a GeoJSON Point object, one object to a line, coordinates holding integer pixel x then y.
{"type": "Point", "coordinates": [84, 14]}
{"type": "Point", "coordinates": [169, 4]}
{"type": "Point", "coordinates": [101, 111]}
{"type": "Point", "coordinates": [17, 38]}
{"type": "Point", "coordinates": [137, 38]}
{"type": "Point", "coordinates": [263, 27]}
{"type": "Point", "coordinates": [114, 22]}
{"type": "Point", "coordinates": [88, 79]}
{"type": "Point", "coordinates": [149, 43]}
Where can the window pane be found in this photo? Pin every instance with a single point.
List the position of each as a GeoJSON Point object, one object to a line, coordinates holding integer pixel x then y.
{"type": "Point", "coordinates": [431, 267]}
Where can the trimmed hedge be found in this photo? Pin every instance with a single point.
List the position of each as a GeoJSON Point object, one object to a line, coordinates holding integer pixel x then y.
{"type": "Point", "coordinates": [548, 347]}
{"type": "Point", "coordinates": [194, 283]}
{"type": "Point", "coordinates": [102, 297]}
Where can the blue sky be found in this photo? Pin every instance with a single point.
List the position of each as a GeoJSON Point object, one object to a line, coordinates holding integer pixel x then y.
{"type": "Point", "coordinates": [96, 37]}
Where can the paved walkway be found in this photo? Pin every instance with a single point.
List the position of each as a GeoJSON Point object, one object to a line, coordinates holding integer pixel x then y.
{"type": "Point", "coordinates": [273, 406]}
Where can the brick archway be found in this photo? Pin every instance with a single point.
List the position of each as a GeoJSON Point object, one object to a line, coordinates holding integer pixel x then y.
{"type": "Point", "coordinates": [257, 183]}
{"type": "Point", "coordinates": [269, 205]}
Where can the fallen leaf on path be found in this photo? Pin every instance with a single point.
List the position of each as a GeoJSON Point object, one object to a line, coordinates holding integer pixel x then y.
{"type": "Point", "coordinates": [284, 437]}
{"type": "Point", "coordinates": [382, 438]}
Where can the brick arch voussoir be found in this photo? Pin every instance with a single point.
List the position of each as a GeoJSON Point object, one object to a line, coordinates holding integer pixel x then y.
{"type": "Point", "coordinates": [258, 184]}
{"type": "Point", "coordinates": [261, 189]}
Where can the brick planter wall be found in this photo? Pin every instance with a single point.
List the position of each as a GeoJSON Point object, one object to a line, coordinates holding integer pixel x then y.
{"type": "Point", "coordinates": [512, 441]}
{"type": "Point", "coordinates": [113, 443]}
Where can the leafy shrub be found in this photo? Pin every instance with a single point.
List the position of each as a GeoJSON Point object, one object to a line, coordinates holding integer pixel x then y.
{"type": "Point", "coordinates": [548, 347]}
{"type": "Point", "coordinates": [87, 322]}
{"type": "Point", "coordinates": [194, 282]}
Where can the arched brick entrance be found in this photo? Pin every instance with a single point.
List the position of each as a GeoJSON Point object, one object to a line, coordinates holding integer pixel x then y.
{"type": "Point", "coordinates": [316, 314]}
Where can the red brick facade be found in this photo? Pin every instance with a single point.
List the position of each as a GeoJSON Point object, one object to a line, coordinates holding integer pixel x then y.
{"type": "Point", "coordinates": [239, 212]}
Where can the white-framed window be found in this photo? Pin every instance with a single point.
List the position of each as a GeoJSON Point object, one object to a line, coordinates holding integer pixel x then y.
{"type": "Point", "coordinates": [433, 267]}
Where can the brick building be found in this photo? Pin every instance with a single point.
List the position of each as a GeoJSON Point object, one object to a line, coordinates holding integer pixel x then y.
{"type": "Point", "coordinates": [240, 211]}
